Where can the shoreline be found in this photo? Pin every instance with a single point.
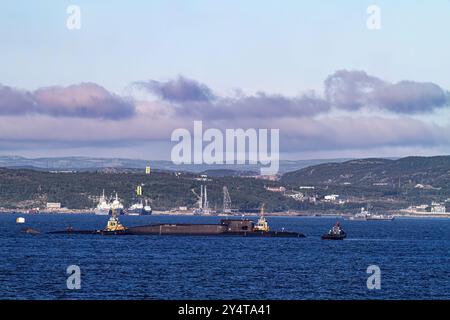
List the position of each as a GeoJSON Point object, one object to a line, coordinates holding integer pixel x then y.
{"type": "Point", "coordinates": [240, 215]}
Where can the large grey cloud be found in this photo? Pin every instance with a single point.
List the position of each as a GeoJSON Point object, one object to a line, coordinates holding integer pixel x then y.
{"type": "Point", "coordinates": [353, 90]}
{"type": "Point", "coordinates": [347, 90]}
{"type": "Point", "coordinates": [85, 100]}
{"type": "Point", "coordinates": [180, 89]}
{"type": "Point", "coordinates": [194, 99]}
{"type": "Point", "coordinates": [260, 105]}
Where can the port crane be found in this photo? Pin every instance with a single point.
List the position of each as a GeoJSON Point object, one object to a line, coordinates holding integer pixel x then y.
{"type": "Point", "coordinates": [203, 204]}
{"type": "Point", "coordinates": [226, 200]}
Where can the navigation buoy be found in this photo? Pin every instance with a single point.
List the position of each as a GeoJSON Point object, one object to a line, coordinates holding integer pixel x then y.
{"type": "Point", "coordinates": [20, 220]}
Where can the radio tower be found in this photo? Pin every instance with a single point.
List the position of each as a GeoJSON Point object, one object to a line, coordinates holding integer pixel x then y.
{"type": "Point", "coordinates": [206, 203]}
{"type": "Point", "coordinates": [201, 198]}
{"type": "Point", "coordinates": [226, 201]}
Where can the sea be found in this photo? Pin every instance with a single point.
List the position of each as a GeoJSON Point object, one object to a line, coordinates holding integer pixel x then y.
{"type": "Point", "coordinates": [410, 256]}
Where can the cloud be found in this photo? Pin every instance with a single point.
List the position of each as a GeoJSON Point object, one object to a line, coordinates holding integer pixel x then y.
{"type": "Point", "coordinates": [190, 98]}
{"type": "Point", "coordinates": [180, 89]}
{"type": "Point", "coordinates": [307, 122]}
{"type": "Point", "coordinates": [260, 105]}
{"type": "Point", "coordinates": [352, 90]}
{"type": "Point", "coordinates": [345, 90]}
{"type": "Point", "coordinates": [307, 135]}
{"type": "Point", "coordinates": [337, 133]}
{"type": "Point", "coordinates": [13, 101]}
{"type": "Point", "coordinates": [85, 100]}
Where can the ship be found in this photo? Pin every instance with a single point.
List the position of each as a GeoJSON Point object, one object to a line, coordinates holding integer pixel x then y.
{"type": "Point", "coordinates": [116, 206]}
{"type": "Point", "coordinates": [139, 209]}
{"type": "Point", "coordinates": [382, 217]}
{"type": "Point", "coordinates": [336, 233]}
{"type": "Point", "coordinates": [226, 227]}
{"type": "Point", "coordinates": [105, 207]}
{"type": "Point", "coordinates": [361, 216]}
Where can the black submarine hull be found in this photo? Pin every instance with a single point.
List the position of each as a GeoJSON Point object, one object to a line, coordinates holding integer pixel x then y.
{"type": "Point", "coordinates": [226, 228]}
{"type": "Point", "coordinates": [267, 234]}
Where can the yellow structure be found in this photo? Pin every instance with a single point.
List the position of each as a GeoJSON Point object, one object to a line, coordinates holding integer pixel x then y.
{"type": "Point", "coordinates": [147, 170]}
{"type": "Point", "coordinates": [139, 190]}
{"type": "Point", "coordinates": [262, 224]}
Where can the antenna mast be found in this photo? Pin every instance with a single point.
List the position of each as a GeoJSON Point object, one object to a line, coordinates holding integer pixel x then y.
{"type": "Point", "coordinates": [226, 201]}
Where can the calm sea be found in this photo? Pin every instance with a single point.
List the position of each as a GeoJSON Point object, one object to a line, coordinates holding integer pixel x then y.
{"type": "Point", "coordinates": [413, 255]}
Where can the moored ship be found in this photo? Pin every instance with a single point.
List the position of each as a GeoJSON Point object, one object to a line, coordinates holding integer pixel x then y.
{"type": "Point", "coordinates": [361, 216]}
{"type": "Point", "coordinates": [105, 207]}
{"type": "Point", "coordinates": [382, 217]}
{"type": "Point", "coordinates": [139, 209]}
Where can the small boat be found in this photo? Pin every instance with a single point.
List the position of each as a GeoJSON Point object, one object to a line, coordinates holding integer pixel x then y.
{"type": "Point", "coordinates": [336, 233]}
{"type": "Point", "coordinates": [20, 220]}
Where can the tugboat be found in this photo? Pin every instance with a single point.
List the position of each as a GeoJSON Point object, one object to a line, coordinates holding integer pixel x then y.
{"type": "Point", "coordinates": [262, 224]}
{"type": "Point", "coordinates": [114, 227]}
{"type": "Point", "coordinates": [336, 233]}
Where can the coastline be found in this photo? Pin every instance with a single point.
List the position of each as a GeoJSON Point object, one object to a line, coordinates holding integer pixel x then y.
{"type": "Point", "coordinates": [301, 214]}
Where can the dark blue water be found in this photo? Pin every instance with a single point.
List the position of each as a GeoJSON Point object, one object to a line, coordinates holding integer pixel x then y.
{"type": "Point", "coordinates": [413, 254]}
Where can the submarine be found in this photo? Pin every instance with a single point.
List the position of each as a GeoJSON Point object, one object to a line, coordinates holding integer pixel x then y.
{"type": "Point", "coordinates": [226, 227]}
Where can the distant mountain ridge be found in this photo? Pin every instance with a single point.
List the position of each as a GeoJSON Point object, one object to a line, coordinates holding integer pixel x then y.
{"type": "Point", "coordinates": [93, 163]}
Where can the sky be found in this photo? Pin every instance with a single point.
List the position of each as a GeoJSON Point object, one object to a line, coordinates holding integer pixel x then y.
{"type": "Point", "coordinates": [137, 70]}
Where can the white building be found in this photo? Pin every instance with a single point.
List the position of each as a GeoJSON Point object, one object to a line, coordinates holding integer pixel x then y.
{"type": "Point", "coordinates": [331, 197]}
{"type": "Point", "coordinates": [53, 205]}
{"type": "Point", "coordinates": [437, 207]}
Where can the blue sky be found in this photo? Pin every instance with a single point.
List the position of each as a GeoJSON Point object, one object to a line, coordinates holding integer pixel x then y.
{"type": "Point", "coordinates": [277, 47]}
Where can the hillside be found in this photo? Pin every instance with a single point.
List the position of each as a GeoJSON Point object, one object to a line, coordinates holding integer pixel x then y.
{"type": "Point", "coordinates": [413, 179]}
{"type": "Point", "coordinates": [29, 188]}
{"type": "Point", "coordinates": [385, 183]}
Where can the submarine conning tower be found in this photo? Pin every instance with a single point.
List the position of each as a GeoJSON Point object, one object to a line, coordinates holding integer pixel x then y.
{"type": "Point", "coordinates": [236, 225]}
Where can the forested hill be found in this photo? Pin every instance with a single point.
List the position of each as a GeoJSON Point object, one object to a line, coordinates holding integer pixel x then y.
{"type": "Point", "coordinates": [23, 188]}
{"type": "Point", "coordinates": [390, 184]}
{"type": "Point", "coordinates": [409, 171]}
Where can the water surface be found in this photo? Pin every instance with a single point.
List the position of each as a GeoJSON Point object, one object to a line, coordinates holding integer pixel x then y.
{"type": "Point", "coordinates": [413, 254]}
